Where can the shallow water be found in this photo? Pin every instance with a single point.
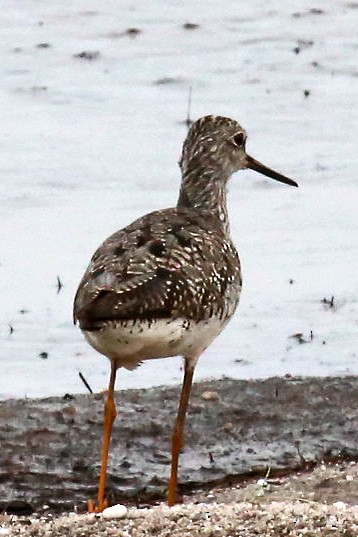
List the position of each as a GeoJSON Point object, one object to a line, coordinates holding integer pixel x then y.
{"type": "Point", "coordinates": [89, 145]}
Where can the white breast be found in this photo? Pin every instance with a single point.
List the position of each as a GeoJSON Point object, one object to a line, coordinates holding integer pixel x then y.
{"type": "Point", "coordinates": [129, 344]}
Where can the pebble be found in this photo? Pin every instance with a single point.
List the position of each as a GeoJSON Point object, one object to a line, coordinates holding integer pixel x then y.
{"type": "Point", "coordinates": [210, 396]}
{"type": "Point", "coordinates": [4, 531]}
{"type": "Point", "coordinates": [177, 508]}
{"type": "Point", "coordinates": [341, 506]}
{"type": "Point", "coordinates": [115, 511]}
{"type": "Point", "coordinates": [228, 427]}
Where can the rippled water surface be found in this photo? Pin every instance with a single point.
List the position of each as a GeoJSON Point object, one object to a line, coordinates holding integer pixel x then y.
{"type": "Point", "coordinates": [89, 143]}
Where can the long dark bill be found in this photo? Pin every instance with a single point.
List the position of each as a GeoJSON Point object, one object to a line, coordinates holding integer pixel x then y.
{"type": "Point", "coordinates": [254, 164]}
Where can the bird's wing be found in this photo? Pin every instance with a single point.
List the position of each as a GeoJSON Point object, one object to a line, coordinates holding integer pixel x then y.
{"type": "Point", "coordinates": [164, 265]}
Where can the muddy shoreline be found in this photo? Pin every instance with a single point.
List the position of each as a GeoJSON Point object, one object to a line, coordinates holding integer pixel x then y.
{"type": "Point", "coordinates": [50, 448]}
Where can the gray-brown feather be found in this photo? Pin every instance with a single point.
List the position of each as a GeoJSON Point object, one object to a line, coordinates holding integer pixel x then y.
{"type": "Point", "coordinates": [170, 263]}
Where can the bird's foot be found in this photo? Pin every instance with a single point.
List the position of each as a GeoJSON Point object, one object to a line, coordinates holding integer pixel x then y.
{"type": "Point", "coordinates": [94, 507]}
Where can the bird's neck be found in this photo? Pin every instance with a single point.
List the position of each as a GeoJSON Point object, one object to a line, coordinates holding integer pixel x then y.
{"type": "Point", "coordinates": [205, 190]}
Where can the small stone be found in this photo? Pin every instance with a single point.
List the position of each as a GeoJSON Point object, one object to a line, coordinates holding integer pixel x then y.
{"type": "Point", "coordinates": [4, 531]}
{"type": "Point", "coordinates": [210, 396]}
{"type": "Point", "coordinates": [116, 511]}
{"type": "Point", "coordinates": [228, 427]}
{"type": "Point", "coordinates": [177, 508]}
{"type": "Point", "coordinates": [341, 506]}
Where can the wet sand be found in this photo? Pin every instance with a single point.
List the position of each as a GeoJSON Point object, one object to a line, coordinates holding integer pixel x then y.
{"type": "Point", "coordinates": [322, 502]}
{"type": "Point", "coordinates": [236, 430]}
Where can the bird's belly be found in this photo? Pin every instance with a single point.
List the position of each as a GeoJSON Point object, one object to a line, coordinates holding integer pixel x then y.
{"type": "Point", "coordinates": [129, 343]}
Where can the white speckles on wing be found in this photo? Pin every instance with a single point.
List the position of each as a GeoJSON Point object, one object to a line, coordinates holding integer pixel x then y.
{"type": "Point", "coordinates": [106, 280]}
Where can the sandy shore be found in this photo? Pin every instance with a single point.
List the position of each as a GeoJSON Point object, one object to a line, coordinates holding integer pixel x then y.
{"type": "Point", "coordinates": [319, 503]}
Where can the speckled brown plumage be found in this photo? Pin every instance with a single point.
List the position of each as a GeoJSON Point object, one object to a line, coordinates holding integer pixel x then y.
{"type": "Point", "coordinates": [170, 263]}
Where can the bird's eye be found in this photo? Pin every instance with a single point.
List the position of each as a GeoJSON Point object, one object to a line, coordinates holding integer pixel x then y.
{"type": "Point", "coordinates": [239, 139]}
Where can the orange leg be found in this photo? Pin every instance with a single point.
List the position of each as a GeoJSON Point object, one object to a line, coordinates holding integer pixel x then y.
{"type": "Point", "coordinates": [109, 417]}
{"type": "Point", "coordinates": [178, 433]}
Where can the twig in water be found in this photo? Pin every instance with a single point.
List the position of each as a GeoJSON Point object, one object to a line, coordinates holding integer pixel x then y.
{"type": "Point", "coordinates": [59, 284]}
{"type": "Point", "coordinates": [327, 302]}
{"type": "Point", "coordinates": [85, 382]}
{"type": "Point", "coordinates": [189, 121]}
{"type": "Point", "coordinates": [297, 446]}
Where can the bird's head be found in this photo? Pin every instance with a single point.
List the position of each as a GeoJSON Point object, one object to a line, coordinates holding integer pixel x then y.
{"type": "Point", "coordinates": [219, 144]}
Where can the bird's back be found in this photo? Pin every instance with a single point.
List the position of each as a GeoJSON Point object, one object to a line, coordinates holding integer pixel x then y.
{"type": "Point", "coordinates": [173, 264]}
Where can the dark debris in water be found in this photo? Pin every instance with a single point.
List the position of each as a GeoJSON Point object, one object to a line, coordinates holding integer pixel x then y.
{"type": "Point", "coordinates": [133, 32]}
{"type": "Point", "coordinates": [328, 302]}
{"type": "Point", "coordinates": [43, 45]}
{"type": "Point", "coordinates": [168, 80]}
{"type": "Point", "coordinates": [59, 284]}
{"type": "Point", "coordinates": [190, 26]}
{"type": "Point", "coordinates": [88, 55]}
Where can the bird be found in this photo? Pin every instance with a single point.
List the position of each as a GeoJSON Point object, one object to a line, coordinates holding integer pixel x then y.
{"type": "Point", "coordinates": [168, 283]}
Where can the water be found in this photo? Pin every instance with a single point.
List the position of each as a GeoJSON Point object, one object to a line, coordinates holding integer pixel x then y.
{"type": "Point", "coordinates": [87, 146]}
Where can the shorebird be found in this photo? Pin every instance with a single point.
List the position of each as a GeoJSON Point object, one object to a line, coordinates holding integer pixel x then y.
{"type": "Point", "coordinates": [167, 284]}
